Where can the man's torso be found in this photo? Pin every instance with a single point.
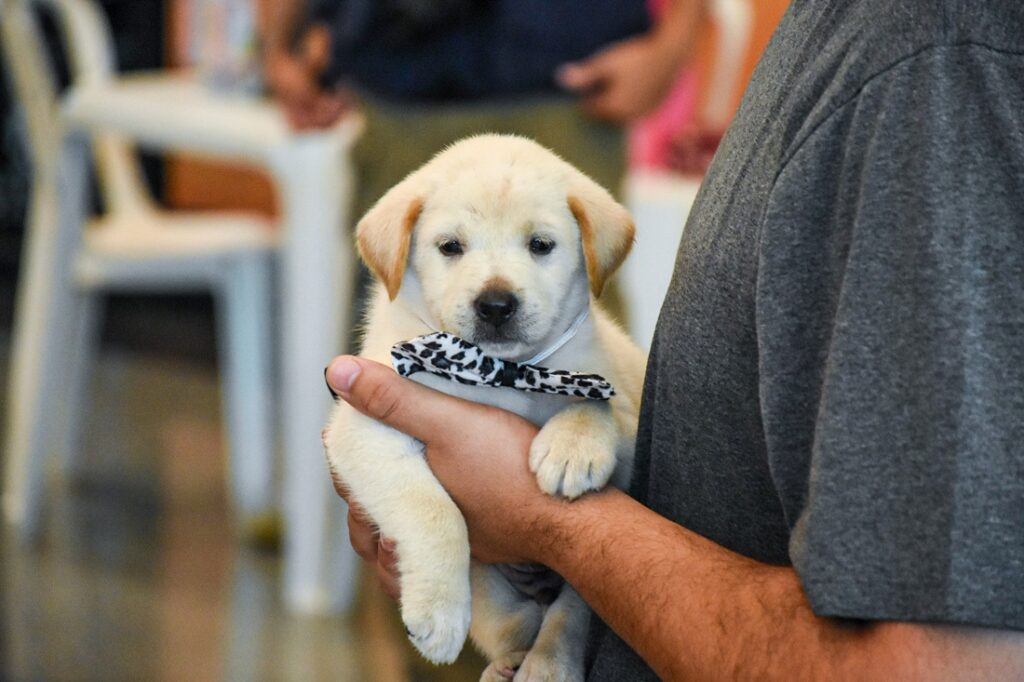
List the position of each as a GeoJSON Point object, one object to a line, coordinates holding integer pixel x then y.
{"type": "Point", "coordinates": [716, 454]}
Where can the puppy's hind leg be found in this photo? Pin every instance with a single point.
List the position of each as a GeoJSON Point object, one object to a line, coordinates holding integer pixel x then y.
{"type": "Point", "coordinates": [557, 654]}
{"type": "Point", "coordinates": [387, 475]}
{"type": "Point", "coordinates": [505, 622]}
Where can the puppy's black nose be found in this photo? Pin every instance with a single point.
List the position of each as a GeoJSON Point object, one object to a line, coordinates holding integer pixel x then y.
{"type": "Point", "coordinates": [496, 306]}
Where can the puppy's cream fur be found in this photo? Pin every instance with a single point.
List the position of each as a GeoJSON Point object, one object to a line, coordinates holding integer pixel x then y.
{"type": "Point", "coordinates": [492, 194]}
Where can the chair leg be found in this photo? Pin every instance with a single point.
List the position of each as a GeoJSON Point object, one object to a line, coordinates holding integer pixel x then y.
{"type": "Point", "coordinates": [45, 297]}
{"type": "Point", "coordinates": [316, 285]}
{"type": "Point", "coordinates": [84, 323]}
{"type": "Point", "coordinates": [244, 310]}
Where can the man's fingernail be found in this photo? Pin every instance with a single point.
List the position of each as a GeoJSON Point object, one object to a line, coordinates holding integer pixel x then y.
{"type": "Point", "coordinates": [342, 373]}
{"type": "Point", "coordinates": [387, 544]}
{"type": "Point", "coordinates": [334, 394]}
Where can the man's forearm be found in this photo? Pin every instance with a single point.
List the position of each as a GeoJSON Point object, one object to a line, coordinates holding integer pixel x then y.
{"type": "Point", "coordinates": [694, 610]}
{"type": "Point", "coordinates": [689, 607]}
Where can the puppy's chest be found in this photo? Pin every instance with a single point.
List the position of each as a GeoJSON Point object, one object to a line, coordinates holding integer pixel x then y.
{"type": "Point", "coordinates": [534, 407]}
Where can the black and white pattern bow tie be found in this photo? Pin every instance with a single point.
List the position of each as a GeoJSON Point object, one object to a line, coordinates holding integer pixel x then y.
{"type": "Point", "coordinates": [448, 356]}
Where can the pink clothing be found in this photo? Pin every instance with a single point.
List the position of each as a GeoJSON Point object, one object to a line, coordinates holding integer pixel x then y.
{"type": "Point", "coordinates": [650, 138]}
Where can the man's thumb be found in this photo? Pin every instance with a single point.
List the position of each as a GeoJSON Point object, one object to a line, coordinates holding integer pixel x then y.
{"type": "Point", "coordinates": [378, 392]}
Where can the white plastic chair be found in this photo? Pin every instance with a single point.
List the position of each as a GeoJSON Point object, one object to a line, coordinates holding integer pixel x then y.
{"type": "Point", "coordinates": [660, 201]}
{"type": "Point", "coordinates": [133, 245]}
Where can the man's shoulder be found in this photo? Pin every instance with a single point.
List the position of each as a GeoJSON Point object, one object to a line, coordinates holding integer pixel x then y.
{"type": "Point", "coordinates": [827, 54]}
{"type": "Point", "coordinates": [878, 33]}
{"type": "Point", "coordinates": [998, 24]}
{"type": "Point", "coordinates": [901, 27]}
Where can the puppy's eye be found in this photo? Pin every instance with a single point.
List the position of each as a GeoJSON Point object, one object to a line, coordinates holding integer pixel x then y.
{"type": "Point", "coordinates": [541, 246]}
{"type": "Point", "coordinates": [450, 247]}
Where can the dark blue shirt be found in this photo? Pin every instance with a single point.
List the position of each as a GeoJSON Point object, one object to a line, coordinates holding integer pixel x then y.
{"type": "Point", "coordinates": [469, 49]}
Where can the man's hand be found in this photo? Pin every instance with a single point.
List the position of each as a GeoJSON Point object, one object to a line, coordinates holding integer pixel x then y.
{"type": "Point", "coordinates": [630, 78]}
{"type": "Point", "coordinates": [479, 454]}
{"type": "Point", "coordinates": [692, 609]}
{"type": "Point", "coordinates": [294, 78]}
{"type": "Point", "coordinates": [623, 82]}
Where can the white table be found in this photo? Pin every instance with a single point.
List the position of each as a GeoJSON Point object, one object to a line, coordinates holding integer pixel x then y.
{"type": "Point", "coordinates": [312, 173]}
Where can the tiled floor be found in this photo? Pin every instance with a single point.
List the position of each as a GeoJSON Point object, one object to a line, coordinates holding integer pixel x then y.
{"type": "Point", "coordinates": [139, 575]}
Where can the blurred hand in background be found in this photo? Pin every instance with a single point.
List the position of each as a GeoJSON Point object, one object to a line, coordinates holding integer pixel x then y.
{"type": "Point", "coordinates": [293, 69]}
{"type": "Point", "coordinates": [630, 78]}
{"type": "Point", "coordinates": [624, 81]}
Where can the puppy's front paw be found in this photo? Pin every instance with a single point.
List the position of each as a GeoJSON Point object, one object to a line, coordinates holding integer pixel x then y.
{"type": "Point", "coordinates": [437, 621]}
{"type": "Point", "coordinates": [538, 667]}
{"type": "Point", "coordinates": [575, 451]}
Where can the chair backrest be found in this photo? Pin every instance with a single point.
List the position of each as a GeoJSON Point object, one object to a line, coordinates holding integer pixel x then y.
{"type": "Point", "coordinates": [32, 79]}
{"type": "Point", "coordinates": [86, 39]}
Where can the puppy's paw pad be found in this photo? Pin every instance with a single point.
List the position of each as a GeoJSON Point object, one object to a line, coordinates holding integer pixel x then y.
{"type": "Point", "coordinates": [540, 668]}
{"type": "Point", "coordinates": [504, 668]}
{"type": "Point", "coordinates": [572, 461]}
{"type": "Point", "coordinates": [437, 628]}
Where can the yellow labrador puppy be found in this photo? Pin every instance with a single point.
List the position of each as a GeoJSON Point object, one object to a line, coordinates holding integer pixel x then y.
{"type": "Point", "coordinates": [503, 244]}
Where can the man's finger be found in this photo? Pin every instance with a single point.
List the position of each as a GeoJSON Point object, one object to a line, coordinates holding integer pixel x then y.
{"type": "Point", "coordinates": [362, 536]}
{"type": "Point", "coordinates": [376, 391]}
{"type": "Point", "coordinates": [387, 567]}
{"type": "Point", "coordinates": [581, 77]}
{"type": "Point", "coordinates": [388, 581]}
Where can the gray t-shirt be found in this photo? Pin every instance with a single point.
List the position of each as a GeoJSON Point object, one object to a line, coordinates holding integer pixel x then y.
{"type": "Point", "coordinates": [837, 378]}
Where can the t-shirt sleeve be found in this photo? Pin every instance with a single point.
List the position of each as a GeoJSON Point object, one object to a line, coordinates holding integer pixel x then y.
{"type": "Point", "coordinates": [890, 315]}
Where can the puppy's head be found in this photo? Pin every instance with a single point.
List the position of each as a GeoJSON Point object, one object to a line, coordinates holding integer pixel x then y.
{"type": "Point", "coordinates": [498, 240]}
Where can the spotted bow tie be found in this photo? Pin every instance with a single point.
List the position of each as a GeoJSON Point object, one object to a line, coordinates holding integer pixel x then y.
{"type": "Point", "coordinates": [448, 356]}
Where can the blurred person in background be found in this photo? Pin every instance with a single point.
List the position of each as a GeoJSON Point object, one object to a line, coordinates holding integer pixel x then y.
{"type": "Point", "coordinates": [566, 73]}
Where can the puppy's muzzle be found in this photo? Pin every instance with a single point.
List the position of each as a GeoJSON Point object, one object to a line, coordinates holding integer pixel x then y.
{"type": "Point", "coordinates": [496, 306]}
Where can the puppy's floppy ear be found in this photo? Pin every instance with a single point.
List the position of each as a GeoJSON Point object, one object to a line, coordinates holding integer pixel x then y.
{"type": "Point", "coordinates": [606, 229]}
{"type": "Point", "coordinates": [385, 232]}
